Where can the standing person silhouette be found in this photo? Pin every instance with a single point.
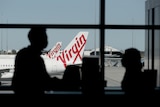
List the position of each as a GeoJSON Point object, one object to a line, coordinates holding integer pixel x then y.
{"type": "Point", "coordinates": [30, 77]}
{"type": "Point", "coordinates": [132, 83]}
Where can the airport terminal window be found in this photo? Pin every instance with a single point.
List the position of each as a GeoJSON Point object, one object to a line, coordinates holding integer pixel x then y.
{"type": "Point", "coordinates": [114, 71]}
{"type": "Point", "coordinates": [102, 30]}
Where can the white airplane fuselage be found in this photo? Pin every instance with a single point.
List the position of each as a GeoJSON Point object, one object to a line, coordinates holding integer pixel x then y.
{"type": "Point", "coordinates": [7, 64]}
{"type": "Point", "coordinates": [71, 55]}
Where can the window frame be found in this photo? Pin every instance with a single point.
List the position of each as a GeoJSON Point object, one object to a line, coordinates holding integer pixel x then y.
{"type": "Point", "coordinates": [101, 27]}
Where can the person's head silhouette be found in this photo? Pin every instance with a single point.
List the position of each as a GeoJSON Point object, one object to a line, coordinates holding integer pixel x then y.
{"type": "Point", "coordinates": [132, 59]}
{"type": "Point", "coordinates": [38, 38]}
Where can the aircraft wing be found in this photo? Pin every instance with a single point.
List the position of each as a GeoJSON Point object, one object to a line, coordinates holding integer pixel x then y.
{"type": "Point", "coordinates": [113, 61]}
{"type": "Point", "coordinates": [113, 58]}
{"type": "Point", "coordinates": [4, 70]}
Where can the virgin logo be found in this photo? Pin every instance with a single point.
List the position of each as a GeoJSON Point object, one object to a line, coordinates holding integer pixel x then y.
{"type": "Point", "coordinates": [74, 52]}
{"type": "Point", "coordinates": [52, 53]}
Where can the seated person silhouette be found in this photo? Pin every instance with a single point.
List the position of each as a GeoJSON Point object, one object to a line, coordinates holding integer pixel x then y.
{"type": "Point", "coordinates": [72, 78]}
{"type": "Point", "coordinates": [132, 83]}
{"type": "Point", "coordinates": [30, 76]}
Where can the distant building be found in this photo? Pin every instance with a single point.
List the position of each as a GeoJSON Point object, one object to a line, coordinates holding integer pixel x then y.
{"type": "Point", "coordinates": [108, 52]}
{"type": "Point", "coordinates": [152, 38]}
{"type": "Point", "coordinates": [13, 51]}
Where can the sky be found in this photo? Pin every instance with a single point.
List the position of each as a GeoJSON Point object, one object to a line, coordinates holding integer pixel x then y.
{"type": "Point", "coordinates": [124, 12]}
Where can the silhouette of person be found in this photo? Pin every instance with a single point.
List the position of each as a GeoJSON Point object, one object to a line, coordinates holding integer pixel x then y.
{"type": "Point", "coordinates": [92, 81]}
{"type": "Point", "coordinates": [72, 78]}
{"type": "Point", "coordinates": [132, 83]}
{"type": "Point", "coordinates": [30, 77]}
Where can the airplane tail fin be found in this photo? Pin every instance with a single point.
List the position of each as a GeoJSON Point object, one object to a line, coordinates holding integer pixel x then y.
{"type": "Point", "coordinates": [55, 51]}
{"type": "Point", "coordinates": [73, 53]}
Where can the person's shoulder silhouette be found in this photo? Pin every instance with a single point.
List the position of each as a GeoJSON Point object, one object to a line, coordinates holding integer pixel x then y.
{"type": "Point", "coordinates": [132, 80]}
{"type": "Point", "coordinates": [30, 75]}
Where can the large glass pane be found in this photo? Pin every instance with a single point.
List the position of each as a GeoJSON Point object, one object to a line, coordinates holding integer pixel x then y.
{"type": "Point", "coordinates": [13, 40]}
{"type": "Point", "coordinates": [125, 12]}
{"type": "Point", "coordinates": [116, 42]}
{"type": "Point", "coordinates": [49, 11]}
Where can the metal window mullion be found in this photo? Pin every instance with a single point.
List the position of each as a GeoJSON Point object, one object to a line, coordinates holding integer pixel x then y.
{"type": "Point", "coordinates": [102, 36]}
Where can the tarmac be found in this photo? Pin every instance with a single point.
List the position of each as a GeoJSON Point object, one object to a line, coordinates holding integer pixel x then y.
{"type": "Point", "coordinates": [113, 76]}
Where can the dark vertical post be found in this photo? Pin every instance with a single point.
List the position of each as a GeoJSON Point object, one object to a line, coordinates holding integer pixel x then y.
{"type": "Point", "coordinates": [102, 37]}
{"type": "Point", "coordinates": [148, 36]}
{"type": "Point", "coordinates": [152, 39]}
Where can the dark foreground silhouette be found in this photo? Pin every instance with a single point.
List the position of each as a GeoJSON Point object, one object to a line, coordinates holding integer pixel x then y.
{"type": "Point", "coordinates": [30, 77]}
{"type": "Point", "coordinates": [136, 82]}
{"type": "Point", "coordinates": [71, 80]}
